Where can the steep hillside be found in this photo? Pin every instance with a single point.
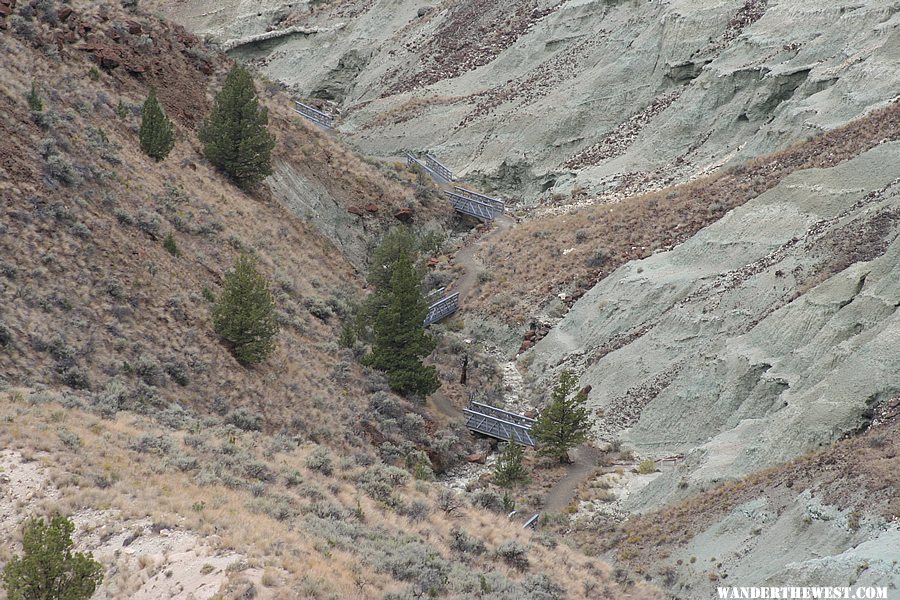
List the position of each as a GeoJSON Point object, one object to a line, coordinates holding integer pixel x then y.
{"type": "Point", "coordinates": [187, 475]}
{"type": "Point", "coordinates": [544, 96]}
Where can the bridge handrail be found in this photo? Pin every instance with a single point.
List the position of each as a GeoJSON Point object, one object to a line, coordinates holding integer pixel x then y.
{"type": "Point", "coordinates": [500, 410]}
{"type": "Point", "coordinates": [462, 198]}
{"type": "Point", "coordinates": [439, 167]}
{"type": "Point", "coordinates": [510, 423]}
{"type": "Point", "coordinates": [314, 114]}
{"type": "Point", "coordinates": [479, 196]}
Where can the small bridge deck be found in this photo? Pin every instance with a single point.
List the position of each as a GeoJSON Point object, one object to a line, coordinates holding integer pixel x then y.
{"type": "Point", "coordinates": [315, 115]}
{"type": "Point", "coordinates": [442, 309]}
{"type": "Point", "coordinates": [500, 424]}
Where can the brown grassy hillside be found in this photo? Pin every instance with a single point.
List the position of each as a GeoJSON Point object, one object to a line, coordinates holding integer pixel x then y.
{"type": "Point", "coordinates": [186, 473]}
{"type": "Point", "coordinates": [570, 253]}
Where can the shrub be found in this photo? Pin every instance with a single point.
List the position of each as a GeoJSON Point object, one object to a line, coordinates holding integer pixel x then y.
{"type": "Point", "coordinates": [489, 500]}
{"type": "Point", "coordinates": [33, 97]}
{"type": "Point", "coordinates": [514, 554]}
{"type": "Point", "coordinates": [244, 418]}
{"type": "Point", "coordinates": [148, 369]}
{"type": "Point", "coordinates": [509, 470]}
{"type": "Point", "coordinates": [416, 563]}
{"type": "Point", "coordinates": [77, 378]}
{"type": "Point", "coordinates": [245, 314]}
{"type": "Point", "coordinates": [148, 222]}
{"type": "Point", "coordinates": [171, 245]}
{"type": "Point", "coordinates": [380, 481]}
{"type": "Point", "coordinates": [156, 134]}
{"type": "Point", "coordinates": [235, 136]}
{"type": "Point", "coordinates": [461, 542]}
{"type": "Point", "coordinates": [320, 460]}
{"type": "Point", "coordinates": [5, 335]}
{"type": "Point", "coordinates": [646, 467]}
{"type": "Point", "coordinates": [48, 568]}
{"type": "Point", "coordinates": [178, 372]}
{"type": "Point", "coordinates": [151, 443]}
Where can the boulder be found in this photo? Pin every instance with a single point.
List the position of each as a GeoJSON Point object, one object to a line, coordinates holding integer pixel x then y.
{"type": "Point", "coordinates": [404, 214]}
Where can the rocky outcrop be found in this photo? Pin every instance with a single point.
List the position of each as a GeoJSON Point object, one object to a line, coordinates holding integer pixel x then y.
{"type": "Point", "coordinates": [767, 335]}
{"type": "Point", "coordinates": [588, 94]}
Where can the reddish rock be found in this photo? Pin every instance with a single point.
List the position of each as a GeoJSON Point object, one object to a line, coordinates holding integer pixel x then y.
{"type": "Point", "coordinates": [478, 457]}
{"type": "Point", "coordinates": [432, 263]}
{"type": "Point", "coordinates": [531, 413]}
{"type": "Point", "coordinates": [525, 346]}
{"type": "Point", "coordinates": [64, 13]}
{"type": "Point", "coordinates": [136, 69]}
{"type": "Point", "coordinates": [5, 11]}
{"type": "Point", "coordinates": [404, 214]}
{"type": "Point", "coordinates": [372, 207]}
{"type": "Point", "coordinates": [134, 28]}
{"type": "Point", "coordinates": [355, 210]}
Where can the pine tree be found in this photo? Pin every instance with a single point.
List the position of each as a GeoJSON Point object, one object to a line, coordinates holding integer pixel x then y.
{"type": "Point", "coordinates": [565, 423]}
{"type": "Point", "coordinates": [235, 135]}
{"type": "Point", "coordinates": [509, 470]}
{"type": "Point", "coordinates": [397, 243]}
{"type": "Point", "coordinates": [245, 313]}
{"type": "Point", "coordinates": [49, 569]}
{"type": "Point", "coordinates": [157, 135]}
{"type": "Point", "coordinates": [400, 340]}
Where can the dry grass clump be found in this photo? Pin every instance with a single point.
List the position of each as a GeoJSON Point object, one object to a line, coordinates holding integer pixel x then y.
{"type": "Point", "coordinates": [570, 253]}
{"type": "Point", "coordinates": [363, 530]}
{"type": "Point", "coordinates": [410, 109]}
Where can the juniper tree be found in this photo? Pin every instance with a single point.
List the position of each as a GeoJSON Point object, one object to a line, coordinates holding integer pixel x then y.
{"type": "Point", "coordinates": [48, 569]}
{"type": "Point", "coordinates": [245, 313]}
{"type": "Point", "coordinates": [400, 341]}
{"type": "Point", "coordinates": [157, 134]}
{"type": "Point", "coordinates": [33, 97]}
{"type": "Point", "coordinates": [565, 423]}
{"type": "Point", "coordinates": [235, 136]}
{"type": "Point", "coordinates": [509, 469]}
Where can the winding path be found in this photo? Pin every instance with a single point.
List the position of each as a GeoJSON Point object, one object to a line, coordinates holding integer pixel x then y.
{"type": "Point", "coordinates": [585, 457]}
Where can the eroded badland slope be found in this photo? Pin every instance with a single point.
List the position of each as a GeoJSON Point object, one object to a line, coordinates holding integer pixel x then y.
{"type": "Point", "coordinates": [545, 97]}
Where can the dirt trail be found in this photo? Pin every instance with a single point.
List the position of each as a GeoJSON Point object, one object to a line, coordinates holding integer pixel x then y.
{"type": "Point", "coordinates": [561, 495]}
{"type": "Point", "coordinates": [585, 457]}
{"type": "Point", "coordinates": [468, 260]}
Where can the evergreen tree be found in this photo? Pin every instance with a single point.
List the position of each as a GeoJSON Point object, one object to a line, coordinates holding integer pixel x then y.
{"type": "Point", "coordinates": [245, 313]}
{"type": "Point", "coordinates": [397, 243]}
{"type": "Point", "coordinates": [566, 422]}
{"type": "Point", "coordinates": [235, 136]}
{"type": "Point", "coordinates": [400, 340]}
{"type": "Point", "coordinates": [33, 97]}
{"type": "Point", "coordinates": [48, 569]}
{"type": "Point", "coordinates": [157, 135]}
{"type": "Point", "coordinates": [509, 470]}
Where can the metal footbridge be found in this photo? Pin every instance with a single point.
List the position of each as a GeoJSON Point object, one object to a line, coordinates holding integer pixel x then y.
{"type": "Point", "coordinates": [315, 115]}
{"type": "Point", "coordinates": [500, 424]}
{"type": "Point", "coordinates": [442, 309]}
{"type": "Point", "coordinates": [465, 201]}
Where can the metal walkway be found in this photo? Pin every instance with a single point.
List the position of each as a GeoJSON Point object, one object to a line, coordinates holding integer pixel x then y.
{"type": "Point", "coordinates": [500, 424]}
{"type": "Point", "coordinates": [433, 167]}
{"type": "Point", "coordinates": [315, 115]}
{"type": "Point", "coordinates": [442, 308]}
{"type": "Point", "coordinates": [465, 201]}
